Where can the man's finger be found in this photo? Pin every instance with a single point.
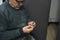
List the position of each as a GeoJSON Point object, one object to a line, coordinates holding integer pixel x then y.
{"type": "Point", "coordinates": [30, 29]}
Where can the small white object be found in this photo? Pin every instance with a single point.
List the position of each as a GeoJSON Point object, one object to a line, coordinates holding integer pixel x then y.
{"type": "Point", "coordinates": [1, 1]}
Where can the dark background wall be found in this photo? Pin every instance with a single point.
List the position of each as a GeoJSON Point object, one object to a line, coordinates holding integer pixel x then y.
{"type": "Point", "coordinates": [39, 11]}
{"type": "Point", "coordinates": [58, 28]}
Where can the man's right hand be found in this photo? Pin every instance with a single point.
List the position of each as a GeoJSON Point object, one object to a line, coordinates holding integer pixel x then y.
{"type": "Point", "coordinates": [29, 28]}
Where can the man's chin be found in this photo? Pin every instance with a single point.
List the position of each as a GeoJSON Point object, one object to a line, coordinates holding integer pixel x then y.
{"type": "Point", "coordinates": [17, 8]}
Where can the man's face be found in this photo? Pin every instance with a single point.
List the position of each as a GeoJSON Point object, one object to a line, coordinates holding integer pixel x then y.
{"type": "Point", "coordinates": [16, 3]}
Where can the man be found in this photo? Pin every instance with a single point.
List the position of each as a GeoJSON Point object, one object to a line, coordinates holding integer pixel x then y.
{"type": "Point", "coordinates": [14, 21]}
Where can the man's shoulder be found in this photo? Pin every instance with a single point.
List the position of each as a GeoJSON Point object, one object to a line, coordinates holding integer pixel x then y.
{"type": "Point", "coordinates": [2, 8]}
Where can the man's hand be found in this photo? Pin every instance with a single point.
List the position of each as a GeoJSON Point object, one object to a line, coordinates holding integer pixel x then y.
{"type": "Point", "coordinates": [32, 23]}
{"type": "Point", "coordinates": [30, 27]}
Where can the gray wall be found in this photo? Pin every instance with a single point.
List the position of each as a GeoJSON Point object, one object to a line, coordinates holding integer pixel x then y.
{"type": "Point", "coordinates": [58, 28]}
{"type": "Point", "coordinates": [39, 11]}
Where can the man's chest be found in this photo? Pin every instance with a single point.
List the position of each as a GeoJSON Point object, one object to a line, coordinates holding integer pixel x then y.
{"type": "Point", "coordinates": [17, 19]}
